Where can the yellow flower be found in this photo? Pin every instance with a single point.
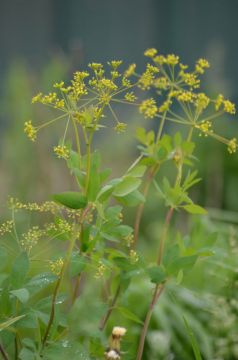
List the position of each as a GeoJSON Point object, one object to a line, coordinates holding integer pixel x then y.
{"type": "Point", "coordinates": [186, 96]}
{"type": "Point", "coordinates": [100, 270]}
{"type": "Point", "coordinates": [59, 85]}
{"type": "Point", "coordinates": [161, 83]}
{"type": "Point", "coordinates": [56, 266]}
{"type": "Point", "coordinates": [232, 146]}
{"type": "Point", "coordinates": [30, 130]}
{"type": "Point", "coordinates": [172, 59]}
{"type": "Point", "coordinates": [165, 106]}
{"type": "Point", "coordinates": [190, 79]}
{"type": "Point", "coordinates": [130, 71]}
{"type": "Point", "coordinates": [95, 66]}
{"type": "Point", "coordinates": [219, 101]}
{"type": "Point", "coordinates": [202, 101]}
{"type": "Point", "coordinates": [37, 98]}
{"type": "Point", "coordinates": [147, 78]}
{"type": "Point", "coordinates": [134, 258]}
{"type": "Point", "coordinates": [201, 64]}
{"type": "Point", "coordinates": [130, 96]}
{"type": "Point", "coordinates": [62, 151]}
{"type": "Point", "coordinates": [229, 107]}
{"type": "Point", "coordinates": [30, 239]}
{"type": "Point", "coordinates": [115, 63]}
{"type": "Point", "coordinates": [205, 127]}
{"type": "Point", "coordinates": [120, 127]}
{"type": "Point", "coordinates": [160, 59]}
{"type": "Point", "coordinates": [150, 52]}
{"type": "Point", "coordinates": [6, 227]}
{"type": "Point", "coordinates": [148, 108]}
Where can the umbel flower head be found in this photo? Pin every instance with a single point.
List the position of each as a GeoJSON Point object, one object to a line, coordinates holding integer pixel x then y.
{"type": "Point", "coordinates": [180, 89]}
{"type": "Point", "coordinates": [90, 96]}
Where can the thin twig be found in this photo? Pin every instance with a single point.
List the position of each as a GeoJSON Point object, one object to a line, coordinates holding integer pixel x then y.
{"type": "Point", "coordinates": [3, 352]}
{"type": "Point", "coordinates": [109, 311]}
{"type": "Point", "coordinates": [157, 292]}
{"type": "Point", "coordinates": [158, 289]}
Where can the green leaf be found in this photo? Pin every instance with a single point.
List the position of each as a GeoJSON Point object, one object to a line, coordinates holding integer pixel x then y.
{"type": "Point", "coordinates": [133, 199]}
{"type": "Point", "coordinates": [71, 199]}
{"type": "Point", "coordinates": [129, 315]}
{"type": "Point", "coordinates": [94, 180]}
{"type": "Point", "coordinates": [182, 263]}
{"type": "Point", "coordinates": [141, 135]}
{"type": "Point", "coordinates": [77, 264]}
{"type": "Point", "coordinates": [21, 294]}
{"type": "Point", "coordinates": [193, 340]}
{"type": "Point", "coordinates": [157, 275]}
{"type": "Point", "coordinates": [40, 281]}
{"type": "Point", "coordinates": [105, 193]}
{"type": "Point", "coordinates": [19, 270]}
{"type": "Point", "coordinates": [26, 354]}
{"type": "Point", "coordinates": [137, 171]}
{"type": "Point", "coordinates": [9, 322]}
{"type": "Point", "coordinates": [195, 209]}
{"type": "Point", "coordinates": [126, 186]}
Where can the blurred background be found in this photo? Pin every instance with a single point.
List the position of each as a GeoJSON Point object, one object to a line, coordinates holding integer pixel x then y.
{"type": "Point", "coordinates": [45, 41]}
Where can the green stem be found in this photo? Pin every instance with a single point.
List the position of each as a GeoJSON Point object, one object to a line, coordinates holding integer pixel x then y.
{"type": "Point", "coordinates": [57, 286]}
{"type": "Point", "coordinates": [88, 141]}
{"type": "Point", "coordinates": [77, 141]}
{"type": "Point", "coordinates": [161, 126]}
{"type": "Point", "coordinates": [110, 309]}
{"type": "Point", "coordinates": [157, 292]}
{"type": "Point", "coordinates": [158, 289]}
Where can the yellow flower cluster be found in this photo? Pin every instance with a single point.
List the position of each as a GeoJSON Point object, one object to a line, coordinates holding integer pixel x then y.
{"type": "Point", "coordinates": [161, 83]}
{"type": "Point", "coordinates": [120, 127]}
{"type": "Point", "coordinates": [115, 63]}
{"type": "Point", "coordinates": [56, 266]}
{"type": "Point", "coordinates": [48, 206]}
{"type": "Point", "coordinates": [201, 64]}
{"type": "Point", "coordinates": [6, 227]}
{"type": "Point", "coordinates": [64, 226]}
{"type": "Point", "coordinates": [130, 96]}
{"type": "Point", "coordinates": [232, 146]}
{"type": "Point", "coordinates": [129, 240]}
{"type": "Point", "coordinates": [165, 106]}
{"type": "Point", "coordinates": [62, 151]}
{"type": "Point", "coordinates": [31, 238]}
{"type": "Point", "coordinates": [134, 258]}
{"type": "Point", "coordinates": [202, 101]}
{"type": "Point", "coordinates": [172, 59]}
{"type": "Point", "coordinates": [30, 130]}
{"type": "Point", "coordinates": [148, 108]}
{"type": "Point", "coordinates": [100, 270]}
{"type": "Point", "coordinates": [49, 99]}
{"type": "Point", "coordinates": [147, 78]}
{"type": "Point", "coordinates": [150, 52]}
{"type": "Point", "coordinates": [78, 85]}
{"type": "Point", "coordinates": [130, 71]}
{"type": "Point", "coordinates": [185, 96]}
{"type": "Point", "coordinates": [205, 127]}
{"type": "Point", "coordinates": [228, 106]}
{"type": "Point", "coordinates": [190, 79]}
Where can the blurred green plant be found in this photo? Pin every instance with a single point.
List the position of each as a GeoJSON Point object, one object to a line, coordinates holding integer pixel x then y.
{"type": "Point", "coordinates": [94, 258]}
